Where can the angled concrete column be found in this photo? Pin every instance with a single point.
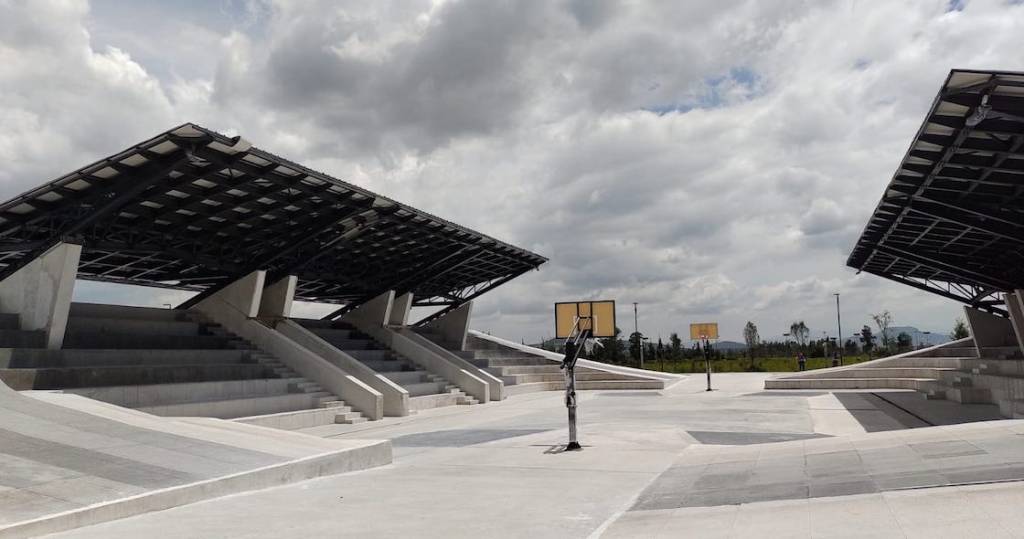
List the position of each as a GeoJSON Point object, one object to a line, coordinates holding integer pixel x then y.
{"type": "Point", "coordinates": [278, 297]}
{"type": "Point", "coordinates": [989, 330]}
{"type": "Point", "coordinates": [400, 310]}
{"type": "Point", "coordinates": [236, 307]}
{"type": "Point", "coordinates": [243, 295]}
{"type": "Point", "coordinates": [40, 293]}
{"type": "Point", "coordinates": [373, 313]}
{"type": "Point", "coordinates": [454, 326]}
{"type": "Point", "coordinates": [1015, 306]}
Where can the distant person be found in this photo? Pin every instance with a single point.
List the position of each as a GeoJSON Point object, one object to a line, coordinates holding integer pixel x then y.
{"type": "Point", "coordinates": [801, 361]}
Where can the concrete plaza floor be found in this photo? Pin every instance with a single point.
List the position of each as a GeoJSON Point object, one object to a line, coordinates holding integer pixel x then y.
{"type": "Point", "coordinates": [735, 462]}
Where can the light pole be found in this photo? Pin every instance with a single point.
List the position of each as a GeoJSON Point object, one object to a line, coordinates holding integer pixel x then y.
{"type": "Point", "coordinates": [639, 340]}
{"type": "Point", "coordinates": [839, 325]}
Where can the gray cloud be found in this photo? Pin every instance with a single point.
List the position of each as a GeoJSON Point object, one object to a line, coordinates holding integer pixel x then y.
{"type": "Point", "coordinates": [706, 159]}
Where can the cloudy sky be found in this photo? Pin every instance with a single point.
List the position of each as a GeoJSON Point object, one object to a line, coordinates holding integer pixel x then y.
{"type": "Point", "coordinates": [711, 160]}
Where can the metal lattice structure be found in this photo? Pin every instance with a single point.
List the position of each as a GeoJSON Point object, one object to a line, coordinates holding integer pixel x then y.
{"type": "Point", "coordinates": [952, 219]}
{"type": "Point", "coordinates": [192, 209]}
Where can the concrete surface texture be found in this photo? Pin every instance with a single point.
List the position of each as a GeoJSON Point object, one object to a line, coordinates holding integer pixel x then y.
{"type": "Point", "coordinates": [66, 460]}
{"type": "Point", "coordinates": [40, 293]}
{"type": "Point", "coordinates": [735, 462]}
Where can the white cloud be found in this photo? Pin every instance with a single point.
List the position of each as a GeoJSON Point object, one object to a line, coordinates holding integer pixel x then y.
{"type": "Point", "coordinates": [706, 159]}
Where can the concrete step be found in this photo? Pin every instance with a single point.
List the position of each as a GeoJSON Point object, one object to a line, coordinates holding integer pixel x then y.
{"type": "Point", "coordinates": [326, 324]}
{"type": "Point", "coordinates": [136, 396]}
{"type": "Point", "coordinates": [332, 334]}
{"type": "Point", "coordinates": [16, 338]}
{"type": "Point", "coordinates": [100, 310]}
{"type": "Point", "coordinates": [500, 354]}
{"type": "Point", "coordinates": [75, 377]}
{"type": "Point", "coordinates": [969, 395]}
{"type": "Point", "coordinates": [883, 372]}
{"type": "Point", "coordinates": [424, 388]}
{"type": "Point", "coordinates": [301, 419]}
{"type": "Point", "coordinates": [349, 345]}
{"type": "Point", "coordinates": [407, 377]}
{"type": "Point", "coordinates": [386, 366]}
{"type": "Point", "coordinates": [40, 358]}
{"type": "Point", "coordinates": [964, 351]}
{"type": "Point", "coordinates": [603, 385]}
{"type": "Point", "coordinates": [511, 362]}
{"type": "Point", "coordinates": [75, 339]}
{"type": "Point", "coordinates": [426, 402]}
{"type": "Point", "coordinates": [349, 418]}
{"type": "Point", "coordinates": [560, 377]}
{"type": "Point", "coordinates": [9, 321]}
{"type": "Point", "coordinates": [126, 325]}
{"type": "Point", "coordinates": [1001, 352]}
{"type": "Point", "coordinates": [371, 355]}
{"type": "Point", "coordinates": [241, 407]}
{"type": "Point", "coordinates": [917, 384]}
{"type": "Point", "coordinates": [926, 362]}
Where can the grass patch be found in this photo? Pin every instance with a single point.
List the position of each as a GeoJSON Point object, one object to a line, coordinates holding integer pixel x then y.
{"type": "Point", "coordinates": [761, 364]}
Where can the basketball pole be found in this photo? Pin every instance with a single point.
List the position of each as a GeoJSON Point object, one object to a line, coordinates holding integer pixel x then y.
{"type": "Point", "coordinates": [707, 362]}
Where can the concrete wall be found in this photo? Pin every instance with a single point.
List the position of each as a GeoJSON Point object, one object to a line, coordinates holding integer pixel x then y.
{"type": "Point", "coordinates": [988, 329]}
{"type": "Point", "coordinates": [234, 308]}
{"type": "Point", "coordinates": [40, 293]}
{"type": "Point", "coordinates": [1015, 306]}
{"type": "Point", "coordinates": [396, 398]}
{"type": "Point", "coordinates": [454, 326]}
{"type": "Point", "coordinates": [373, 313]}
{"type": "Point", "coordinates": [400, 309]}
{"type": "Point", "coordinates": [278, 298]}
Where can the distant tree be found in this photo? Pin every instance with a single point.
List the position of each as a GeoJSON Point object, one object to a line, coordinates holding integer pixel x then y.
{"type": "Point", "coordinates": [798, 330]}
{"type": "Point", "coordinates": [867, 340]}
{"type": "Point", "coordinates": [611, 350]}
{"type": "Point", "coordinates": [635, 339]}
{"type": "Point", "coordinates": [903, 341]}
{"type": "Point", "coordinates": [959, 330]}
{"type": "Point", "coordinates": [850, 347]}
{"type": "Point", "coordinates": [752, 339]}
{"type": "Point", "coordinates": [883, 320]}
{"type": "Point", "coordinates": [676, 345]}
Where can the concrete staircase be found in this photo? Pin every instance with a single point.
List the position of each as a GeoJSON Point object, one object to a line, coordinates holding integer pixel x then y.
{"type": "Point", "coordinates": [426, 390]}
{"type": "Point", "coordinates": [524, 372]}
{"type": "Point", "coordinates": [954, 371]}
{"type": "Point", "coordinates": [171, 363]}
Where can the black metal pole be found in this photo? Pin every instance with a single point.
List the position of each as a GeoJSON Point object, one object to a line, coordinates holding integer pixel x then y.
{"type": "Point", "coordinates": [707, 363]}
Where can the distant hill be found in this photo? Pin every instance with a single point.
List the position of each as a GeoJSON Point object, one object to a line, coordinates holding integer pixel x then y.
{"type": "Point", "coordinates": [729, 345]}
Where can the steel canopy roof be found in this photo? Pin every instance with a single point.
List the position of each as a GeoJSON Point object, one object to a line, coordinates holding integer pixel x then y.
{"type": "Point", "coordinates": [951, 220]}
{"type": "Point", "coordinates": [192, 209]}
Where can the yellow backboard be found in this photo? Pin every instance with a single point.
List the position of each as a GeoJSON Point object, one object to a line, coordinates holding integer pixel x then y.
{"type": "Point", "coordinates": [704, 330]}
{"type": "Point", "coordinates": [597, 316]}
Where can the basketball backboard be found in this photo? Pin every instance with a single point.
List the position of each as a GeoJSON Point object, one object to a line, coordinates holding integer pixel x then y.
{"type": "Point", "coordinates": [704, 330]}
{"type": "Point", "coordinates": [597, 316]}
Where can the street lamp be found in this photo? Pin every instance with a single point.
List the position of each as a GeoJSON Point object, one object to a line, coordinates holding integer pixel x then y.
{"type": "Point", "coordinates": [640, 341]}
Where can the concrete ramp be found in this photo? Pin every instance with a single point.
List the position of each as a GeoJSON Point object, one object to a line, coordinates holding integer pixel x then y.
{"type": "Point", "coordinates": [68, 461]}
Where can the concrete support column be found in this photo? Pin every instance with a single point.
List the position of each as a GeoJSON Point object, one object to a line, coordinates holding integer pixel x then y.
{"type": "Point", "coordinates": [373, 313]}
{"type": "Point", "coordinates": [400, 310]}
{"type": "Point", "coordinates": [40, 293]}
{"type": "Point", "coordinates": [243, 296]}
{"type": "Point", "coordinates": [278, 298]}
{"type": "Point", "coordinates": [1015, 306]}
{"type": "Point", "coordinates": [989, 330]}
{"type": "Point", "coordinates": [454, 326]}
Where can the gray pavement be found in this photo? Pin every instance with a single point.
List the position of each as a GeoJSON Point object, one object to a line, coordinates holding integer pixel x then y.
{"type": "Point", "coordinates": [735, 462]}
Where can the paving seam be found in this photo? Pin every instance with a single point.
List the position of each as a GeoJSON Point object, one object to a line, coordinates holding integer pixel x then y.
{"type": "Point", "coordinates": [614, 517]}
{"type": "Point", "coordinates": [929, 423]}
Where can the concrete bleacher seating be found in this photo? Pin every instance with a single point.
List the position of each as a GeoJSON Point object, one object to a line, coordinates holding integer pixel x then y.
{"type": "Point", "coordinates": [957, 371]}
{"type": "Point", "coordinates": [169, 362]}
{"type": "Point", "coordinates": [426, 389]}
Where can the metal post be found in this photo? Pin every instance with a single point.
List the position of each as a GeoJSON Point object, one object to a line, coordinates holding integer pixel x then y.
{"type": "Point", "coordinates": [570, 403]}
{"type": "Point", "coordinates": [707, 362]}
{"type": "Point", "coordinates": [839, 325]}
{"type": "Point", "coordinates": [639, 341]}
